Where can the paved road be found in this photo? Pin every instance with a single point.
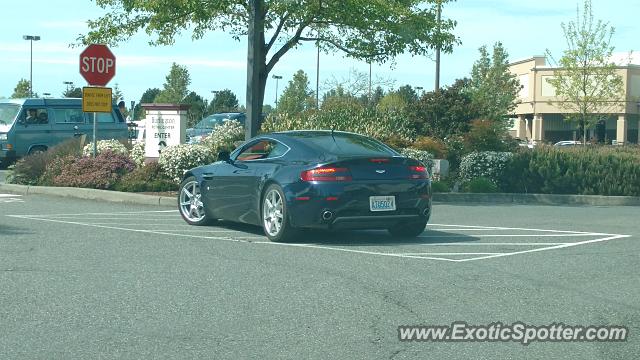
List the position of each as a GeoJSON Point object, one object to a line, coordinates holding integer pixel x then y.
{"type": "Point", "coordinates": [82, 280]}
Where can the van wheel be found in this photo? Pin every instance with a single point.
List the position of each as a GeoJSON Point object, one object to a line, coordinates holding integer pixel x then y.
{"type": "Point", "coordinates": [37, 149]}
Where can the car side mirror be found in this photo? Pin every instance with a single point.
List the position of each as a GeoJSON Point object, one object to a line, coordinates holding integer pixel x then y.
{"type": "Point", "coordinates": [224, 156]}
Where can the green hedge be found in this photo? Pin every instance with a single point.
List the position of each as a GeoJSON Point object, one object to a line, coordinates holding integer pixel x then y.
{"type": "Point", "coordinates": [590, 170]}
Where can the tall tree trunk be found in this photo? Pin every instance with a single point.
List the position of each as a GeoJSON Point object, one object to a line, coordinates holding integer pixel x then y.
{"type": "Point", "coordinates": [256, 72]}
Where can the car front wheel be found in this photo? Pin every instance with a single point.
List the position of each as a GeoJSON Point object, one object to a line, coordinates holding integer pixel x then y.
{"type": "Point", "coordinates": [275, 221]}
{"type": "Point", "coordinates": [190, 203]}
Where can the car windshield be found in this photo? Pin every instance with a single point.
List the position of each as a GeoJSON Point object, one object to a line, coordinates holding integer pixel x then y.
{"type": "Point", "coordinates": [8, 113]}
{"type": "Point", "coordinates": [212, 120]}
{"type": "Point", "coordinates": [344, 144]}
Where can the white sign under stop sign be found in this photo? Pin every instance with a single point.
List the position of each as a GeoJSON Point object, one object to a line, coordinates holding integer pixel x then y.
{"type": "Point", "coordinates": [95, 64]}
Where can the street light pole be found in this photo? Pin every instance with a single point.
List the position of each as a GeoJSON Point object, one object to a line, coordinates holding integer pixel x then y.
{"type": "Point", "coordinates": [31, 39]}
{"type": "Point", "coordinates": [213, 101]}
{"type": "Point", "coordinates": [69, 87]}
{"type": "Point", "coordinates": [277, 77]}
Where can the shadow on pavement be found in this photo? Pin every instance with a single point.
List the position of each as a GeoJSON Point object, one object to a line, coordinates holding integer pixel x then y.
{"type": "Point", "coordinates": [357, 237]}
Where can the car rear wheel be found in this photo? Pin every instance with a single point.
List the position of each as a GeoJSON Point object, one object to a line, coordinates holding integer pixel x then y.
{"type": "Point", "coordinates": [408, 229]}
{"type": "Point", "coordinates": [190, 203]}
{"type": "Point", "coordinates": [275, 220]}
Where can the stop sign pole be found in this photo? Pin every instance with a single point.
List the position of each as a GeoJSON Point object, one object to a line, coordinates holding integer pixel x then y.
{"type": "Point", "coordinates": [98, 67]}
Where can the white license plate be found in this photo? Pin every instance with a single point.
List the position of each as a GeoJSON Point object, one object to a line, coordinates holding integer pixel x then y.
{"type": "Point", "coordinates": [382, 203]}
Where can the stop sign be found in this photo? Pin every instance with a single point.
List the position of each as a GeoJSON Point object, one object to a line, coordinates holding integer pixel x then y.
{"type": "Point", "coordinates": [97, 65]}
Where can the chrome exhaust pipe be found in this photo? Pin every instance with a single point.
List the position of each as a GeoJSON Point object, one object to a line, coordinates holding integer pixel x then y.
{"type": "Point", "coordinates": [327, 215]}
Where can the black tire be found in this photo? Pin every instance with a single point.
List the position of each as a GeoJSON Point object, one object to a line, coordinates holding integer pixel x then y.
{"type": "Point", "coordinates": [408, 230]}
{"type": "Point", "coordinates": [37, 149]}
{"type": "Point", "coordinates": [276, 228]}
{"type": "Point", "coordinates": [190, 205]}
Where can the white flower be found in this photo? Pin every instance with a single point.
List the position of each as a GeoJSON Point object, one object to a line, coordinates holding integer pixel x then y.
{"type": "Point", "coordinates": [102, 145]}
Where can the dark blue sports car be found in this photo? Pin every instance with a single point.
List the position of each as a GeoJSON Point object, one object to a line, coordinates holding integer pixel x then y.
{"type": "Point", "coordinates": [293, 180]}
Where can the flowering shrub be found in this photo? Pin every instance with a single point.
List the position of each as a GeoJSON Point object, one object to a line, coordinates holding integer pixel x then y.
{"type": "Point", "coordinates": [376, 124]}
{"type": "Point", "coordinates": [101, 172]}
{"type": "Point", "coordinates": [488, 164]}
{"type": "Point", "coordinates": [176, 160]}
{"type": "Point", "coordinates": [146, 178]}
{"type": "Point", "coordinates": [115, 146]}
{"type": "Point", "coordinates": [137, 153]}
{"type": "Point", "coordinates": [424, 157]}
{"type": "Point", "coordinates": [224, 136]}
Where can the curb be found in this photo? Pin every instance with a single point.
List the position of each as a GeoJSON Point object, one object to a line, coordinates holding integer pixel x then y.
{"type": "Point", "coordinates": [90, 194]}
{"type": "Point", "coordinates": [536, 199]}
{"type": "Point", "coordinates": [453, 198]}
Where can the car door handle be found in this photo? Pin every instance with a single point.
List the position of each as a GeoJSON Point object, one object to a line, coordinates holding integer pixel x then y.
{"type": "Point", "coordinates": [207, 176]}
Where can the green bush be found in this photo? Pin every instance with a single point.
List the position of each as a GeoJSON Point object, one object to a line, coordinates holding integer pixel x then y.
{"type": "Point", "coordinates": [480, 185]}
{"type": "Point", "coordinates": [149, 178]}
{"type": "Point", "coordinates": [440, 186]}
{"type": "Point", "coordinates": [224, 136]}
{"type": "Point", "coordinates": [178, 159]}
{"type": "Point", "coordinates": [488, 164]}
{"type": "Point", "coordinates": [588, 170]}
{"type": "Point", "coordinates": [29, 169]}
{"type": "Point", "coordinates": [380, 125]}
{"type": "Point", "coordinates": [112, 145]}
{"type": "Point", "coordinates": [101, 172]}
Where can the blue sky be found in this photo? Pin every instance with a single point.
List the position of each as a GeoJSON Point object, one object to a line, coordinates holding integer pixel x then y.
{"type": "Point", "coordinates": [216, 62]}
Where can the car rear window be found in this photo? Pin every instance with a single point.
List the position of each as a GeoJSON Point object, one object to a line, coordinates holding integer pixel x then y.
{"type": "Point", "coordinates": [344, 144]}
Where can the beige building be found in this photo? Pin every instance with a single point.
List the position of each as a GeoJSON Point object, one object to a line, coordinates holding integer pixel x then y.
{"type": "Point", "coordinates": [538, 117]}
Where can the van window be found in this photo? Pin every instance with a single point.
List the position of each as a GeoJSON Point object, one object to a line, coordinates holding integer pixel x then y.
{"type": "Point", "coordinates": [34, 116]}
{"type": "Point", "coordinates": [68, 116]}
{"type": "Point", "coordinates": [8, 113]}
{"type": "Point", "coordinates": [101, 117]}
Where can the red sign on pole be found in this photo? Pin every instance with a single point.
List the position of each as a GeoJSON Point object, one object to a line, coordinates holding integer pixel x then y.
{"type": "Point", "coordinates": [97, 65]}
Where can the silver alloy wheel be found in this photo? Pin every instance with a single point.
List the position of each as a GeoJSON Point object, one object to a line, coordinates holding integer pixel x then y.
{"type": "Point", "coordinates": [272, 210]}
{"type": "Point", "coordinates": [191, 205]}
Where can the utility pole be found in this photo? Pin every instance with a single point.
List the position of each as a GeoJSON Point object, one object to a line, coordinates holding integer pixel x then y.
{"type": "Point", "coordinates": [318, 73]}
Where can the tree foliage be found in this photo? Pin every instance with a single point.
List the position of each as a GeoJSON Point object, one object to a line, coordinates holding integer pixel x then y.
{"type": "Point", "coordinates": [72, 92]}
{"type": "Point", "coordinates": [147, 97]}
{"type": "Point", "coordinates": [21, 90]}
{"type": "Point", "coordinates": [223, 101]}
{"type": "Point", "coordinates": [380, 31]}
{"type": "Point", "coordinates": [176, 85]}
{"type": "Point", "coordinates": [494, 89]}
{"type": "Point", "coordinates": [297, 96]}
{"type": "Point", "coordinates": [587, 83]}
{"type": "Point", "coordinates": [447, 112]}
{"type": "Point", "coordinates": [197, 108]}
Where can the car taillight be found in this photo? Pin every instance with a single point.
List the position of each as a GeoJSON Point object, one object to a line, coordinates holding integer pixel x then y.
{"type": "Point", "coordinates": [418, 172]}
{"type": "Point", "coordinates": [326, 174]}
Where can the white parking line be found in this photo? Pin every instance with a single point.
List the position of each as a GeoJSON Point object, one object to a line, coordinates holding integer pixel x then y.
{"type": "Point", "coordinates": [237, 236]}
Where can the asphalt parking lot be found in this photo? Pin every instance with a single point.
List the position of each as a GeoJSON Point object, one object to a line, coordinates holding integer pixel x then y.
{"type": "Point", "coordinates": [87, 279]}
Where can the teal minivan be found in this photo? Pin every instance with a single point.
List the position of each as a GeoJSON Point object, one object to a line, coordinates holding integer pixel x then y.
{"type": "Point", "coordinates": [32, 125]}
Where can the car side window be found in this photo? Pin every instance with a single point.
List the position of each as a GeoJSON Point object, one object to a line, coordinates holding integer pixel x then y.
{"type": "Point", "coordinates": [35, 116]}
{"type": "Point", "coordinates": [100, 117]}
{"type": "Point", "coordinates": [69, 116]}
{"type": "Point", "coordinates": [263, 149]}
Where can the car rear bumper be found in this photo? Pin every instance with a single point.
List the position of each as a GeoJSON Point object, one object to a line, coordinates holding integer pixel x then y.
{"type": "Point", "coordinates": [346, 205]}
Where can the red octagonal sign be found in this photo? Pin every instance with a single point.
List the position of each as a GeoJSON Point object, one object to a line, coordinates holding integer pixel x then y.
{"type": "Point", "coordinates": [97, 65]}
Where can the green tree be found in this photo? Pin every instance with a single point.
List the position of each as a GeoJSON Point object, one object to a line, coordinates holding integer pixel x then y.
{"type": "Point", "coordinates": [147, 97]}
{"type": "Point", "coordinates": [381, 31]}
{"type": "Point", "coordinates": [338, 98]}
{"type": "Point", "coordinates": [223, 101]}
{"type": "Point", "coordinates": [587, 83]}
{"type": "Point", "coordinates": [176, 85]}
{"type": "Point", "coordinates": [72, 92]}
{"type": "Point", "coordinates": [442, 114]}
{"type": "Point", "coordinates": [117, 94]}
{"type": "Point", "coordinates": [408, 93]}
{"type": "Point", "coordinates": [21, 90]}
{"type": "Point", "coordinates": [393, 101]}
{"type": "Point", "coordinates": [494, 89]}
{"type": "Point", "coordinates": [197, 108]}
{"type": "Point", "coordinates": [297, 96]}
